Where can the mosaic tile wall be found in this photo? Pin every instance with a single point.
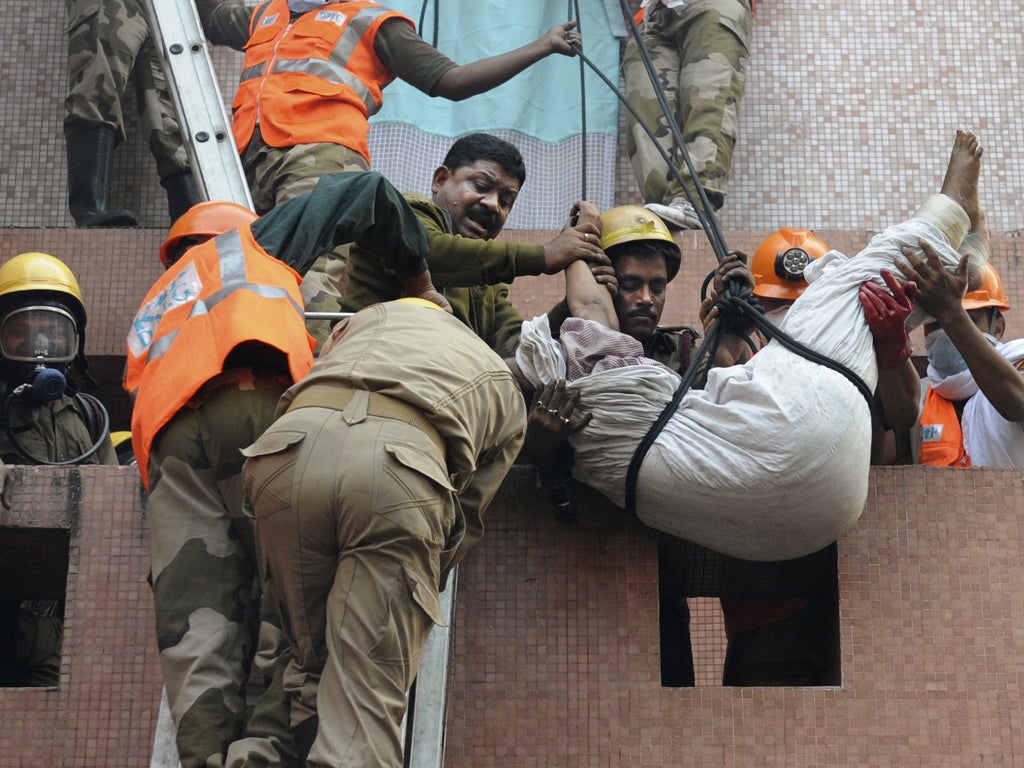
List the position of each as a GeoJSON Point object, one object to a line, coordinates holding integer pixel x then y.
{"type": "Point", "coordinates": [557, 646]}
{"type": "Point", "coordinates": [103, 711]}
{"type": "Point", "coordinates": [849, 111]}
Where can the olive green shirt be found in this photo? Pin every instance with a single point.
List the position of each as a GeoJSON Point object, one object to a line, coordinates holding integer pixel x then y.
{"type": "Point", "coordinates": [59, 434]}
{"type": "Point", "coordinates": [472, 274]}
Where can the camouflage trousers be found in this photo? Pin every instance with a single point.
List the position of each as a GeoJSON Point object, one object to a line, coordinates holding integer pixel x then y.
{"type": "Point", "coordinates": [277, 175]}
{"type": "Point", "coordinates": [206, 585]}
{"type": "Point", "coordinates": [109, 47]}
{"type": "Point", "coordinates": [700, 53]}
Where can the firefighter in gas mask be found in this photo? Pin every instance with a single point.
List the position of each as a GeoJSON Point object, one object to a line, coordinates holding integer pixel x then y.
{"type": "Point", "coordinates": [44, 418]}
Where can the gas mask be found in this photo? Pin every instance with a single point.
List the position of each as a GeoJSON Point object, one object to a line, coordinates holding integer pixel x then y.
{"type": "Point", "coordinates": [38, 343]}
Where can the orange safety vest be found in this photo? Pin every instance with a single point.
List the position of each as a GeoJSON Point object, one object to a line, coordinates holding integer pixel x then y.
{"type": "Point", "coordinates": [942, 438]}
{"type": "Point", "coordinates": [220, 294]}
{"type": "Point", "coordinates": [314, 80]}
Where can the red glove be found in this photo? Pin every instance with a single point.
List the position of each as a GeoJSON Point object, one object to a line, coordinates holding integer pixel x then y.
{"type": "Point", "coordinates": [886, 315]}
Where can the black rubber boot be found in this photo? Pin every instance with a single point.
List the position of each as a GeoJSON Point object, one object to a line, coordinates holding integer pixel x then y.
{"type": "Point", "coordinates": [182, 193]}
{"type": "Point", "coordinates": [90, 159]}
{"type": "Point", "coordinates": [305, 735]}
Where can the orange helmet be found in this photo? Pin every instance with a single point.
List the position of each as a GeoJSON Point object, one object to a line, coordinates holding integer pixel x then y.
{"type": "Point", "coordinates": [990, 294]}
{"type": "Point", "coordinates": [205, 220]}
{"type": "Point", "coordinates": [778, 263]}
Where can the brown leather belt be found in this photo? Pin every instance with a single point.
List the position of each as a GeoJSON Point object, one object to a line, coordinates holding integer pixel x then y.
{"type": "Point", "coordinates": [386, 407]}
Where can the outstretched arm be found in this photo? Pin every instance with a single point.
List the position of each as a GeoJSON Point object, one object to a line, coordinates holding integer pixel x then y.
{"type": "Point", "coordinates": [467, 80]}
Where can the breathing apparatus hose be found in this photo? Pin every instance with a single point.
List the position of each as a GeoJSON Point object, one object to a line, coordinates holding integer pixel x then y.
{"type": "Point", "coordinates": [94, 413]}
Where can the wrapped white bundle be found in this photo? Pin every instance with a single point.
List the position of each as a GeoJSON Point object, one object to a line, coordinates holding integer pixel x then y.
{"type": "Point", "coordinates": [769, 461]}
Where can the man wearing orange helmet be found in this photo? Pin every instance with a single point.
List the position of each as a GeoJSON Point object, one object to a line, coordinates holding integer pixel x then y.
{"type": "Point", "coordinates": [974, 376]}
{"type": "Point", "coordinates": [215, 343]}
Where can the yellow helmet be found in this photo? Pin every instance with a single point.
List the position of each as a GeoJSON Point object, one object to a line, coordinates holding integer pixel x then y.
{"type": "Point", "coordinates": [41, 273]}
{"type": "Point", "coordinates": [778, 263]}
{"type": "Point", "coordinates": [632, 223]}
{"type": "Point", "coordinates": [205, 220]}
{"type": "Point", "coordinates": [990, 293]}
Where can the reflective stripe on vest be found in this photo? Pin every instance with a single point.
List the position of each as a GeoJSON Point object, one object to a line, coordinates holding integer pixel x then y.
{"type": "Point", "coordinates": [232, 278]}
{"type": "Point", "coordinates": [223, 293]}
{"type": "Point", "coordinates": [300, 94]}
{"type": "Point", "coordinates": [942, 439]}
{"type": "Point", "coordinates": [334, 68]}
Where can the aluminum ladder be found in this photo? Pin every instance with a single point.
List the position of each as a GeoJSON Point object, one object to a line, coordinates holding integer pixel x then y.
{"type": "Point", "coordinates": [217, 169]}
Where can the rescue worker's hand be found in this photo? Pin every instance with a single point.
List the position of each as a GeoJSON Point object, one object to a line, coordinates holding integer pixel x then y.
{"type": "Point", "coordinates": [604, 274]}
{"type": "Point", "coordinates": [6, 485]}
{"type": "Point", "coordinates": [564, 38]}
{"type": "Point", "coordinates": [550, 421]}
{"type": "Point", "coordinates": [938, 293]}
{"type": "Point", "coordinates": [580, 238]}
{"type": "Point", "coordinates": [733, 268]}
{"type": "Point", "coordinates": [886, 314]}
{"type": "Point", "coordinates": [420, 286]}
{"type": "Point", "coordinates": [731, 272]}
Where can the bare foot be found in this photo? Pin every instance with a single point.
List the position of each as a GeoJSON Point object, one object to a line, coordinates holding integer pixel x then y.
{"type": "Point", "coordinates": [961, 182]}
{"type": "Point", "coordinates": [976, 246]}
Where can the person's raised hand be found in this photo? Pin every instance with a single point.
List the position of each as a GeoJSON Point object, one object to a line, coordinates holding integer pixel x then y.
{"type": "Point", "coordinates": [564, 38]}
{"type": "Point", "coordinates": [886, 314]}
{"type": "Point", "coordinates": [580, 238]}
{"type": "Point", "coordinates": [939, 293]}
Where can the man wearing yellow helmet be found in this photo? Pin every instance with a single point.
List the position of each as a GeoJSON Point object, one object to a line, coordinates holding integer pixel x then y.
{"type": "Point", "coordinates": [42, 333]}
{"type": "Point", "coordinates": [43, 418]}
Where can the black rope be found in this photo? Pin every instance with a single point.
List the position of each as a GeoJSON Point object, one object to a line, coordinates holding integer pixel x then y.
{"type": "Point", "coordinates": [423, 16]}
{"type": "Point", "coordinates": [738, 307]}
{"type": "Point", "coordinates": [729, 305]}
{"type": "Point", "coordinates": [574, 6]}
{"type": "Point", "coordinates": [633, 472]}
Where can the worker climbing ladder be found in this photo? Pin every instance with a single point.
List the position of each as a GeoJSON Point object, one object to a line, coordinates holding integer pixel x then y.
{"type": "Point", "coordinates": [217, 168]}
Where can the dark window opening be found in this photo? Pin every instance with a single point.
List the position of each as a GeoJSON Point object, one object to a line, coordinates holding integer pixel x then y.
{"type": "Point", "coordinates": [778, 623]}
{"type": "Point", "coordinates": [33, 584]}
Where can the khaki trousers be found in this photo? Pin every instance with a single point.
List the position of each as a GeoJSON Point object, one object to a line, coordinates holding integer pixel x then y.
{"type": "Point", "coordinates": [352, 515]}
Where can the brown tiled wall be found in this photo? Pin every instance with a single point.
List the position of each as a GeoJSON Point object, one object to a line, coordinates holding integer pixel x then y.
{"type": "Point", "coordinates": [556, 638]}
{"type": "Point", "coordinates": [103, 711]}
{"type": "Point", "coordinates": [557, 643]}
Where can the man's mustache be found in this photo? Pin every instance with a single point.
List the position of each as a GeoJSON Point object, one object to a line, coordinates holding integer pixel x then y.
{"type": "Point", "coordinates": [645, 313]}
{"type": "Point", "coordinates": [483, 217]}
